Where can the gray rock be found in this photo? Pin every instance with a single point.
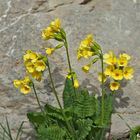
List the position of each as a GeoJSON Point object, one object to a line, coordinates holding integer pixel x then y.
{"type": "Point", "coordinates": [115, 26]}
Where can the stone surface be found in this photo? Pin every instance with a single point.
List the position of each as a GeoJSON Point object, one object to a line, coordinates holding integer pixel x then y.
{"type": "Point", "coordinates": [115, 25]}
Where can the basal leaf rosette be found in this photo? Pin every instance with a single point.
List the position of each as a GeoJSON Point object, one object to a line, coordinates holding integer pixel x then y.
{"type": "Point", "coordinates": [117, 69]}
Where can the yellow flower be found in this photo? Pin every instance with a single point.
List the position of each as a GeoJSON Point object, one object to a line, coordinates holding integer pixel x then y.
{"type": "Point", "coordinates": [86, 68]}
{"type": "Point", "coordinates": [30, 67]}
{"type": "Point", "coordinates": [110, 58]}
{"type": "Point", "coordinates": [100, 76]}
{"type": "Point", "coordinates": [56, 25]}
{"type": "Point", "coordinates": [125, 55]}
{"type": "Point", "coordinates": [76, 83]}
{"type": "Point", "coordinates": [17, 83]}
{"type": "Point", "coordinates": [26, 80]}
{"type": "Point", "coordinates": [128, 73]}
{"type": "Point", "coordinates": [25, 89]}
{"type": "Point", "coordinates": [30, 56]}
{"type": "Point", "coordinates": [117, 74]}
{"type": "Point", "coordinates": [48, 33]}
{"type": "Point", "coordinates": [37, 75]}
{"type": "Point", "coordinates": [84, 53]}
{"type": "Point", "coordinates": [71, 74]}
{"type": "Point", "coordinates": [23, 85]}
{"type": "Point", "coordinates": [50, 51]}
{"type": "Point", "coordinates": [114, 86]}
{"type": "Point", "coordinates": [85, 48]}
{"type": "Point", "coordinates": [40, 65]}
{"type": "Point", "coordinates": [109, 70]}
{"type": "Point", "coordinates": [87, 41]}
{"type": "Point", "coordinates": [122, 61]}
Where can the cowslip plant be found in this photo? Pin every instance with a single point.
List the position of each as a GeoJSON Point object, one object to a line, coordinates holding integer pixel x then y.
{"type": "Point", "coordinates": [81, 116]}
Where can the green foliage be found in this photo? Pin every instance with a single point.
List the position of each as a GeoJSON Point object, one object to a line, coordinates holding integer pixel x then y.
{"type": "Point", "coordinates": [83, 113]}
{"type": "Point", "coordinates": [83, 128]}
{"type": "Point", "coordinates": [134, 132]}
{"type": "Point", "coordinates": [108, 111]}
{"type": "Point", "coordinates": [53, 132]}
{"type": "Point", "coordinates": [68, 94]}
{"type": "Point", "coordinates": [84, 105]}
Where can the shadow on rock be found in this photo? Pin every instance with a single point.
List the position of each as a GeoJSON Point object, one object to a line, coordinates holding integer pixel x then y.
{"type": "Point", "coordinates": [91, 88]}
{"type": "Point", "coordinates": [119, 101]}
{"type": "Point", "coordinates": [58, 80]}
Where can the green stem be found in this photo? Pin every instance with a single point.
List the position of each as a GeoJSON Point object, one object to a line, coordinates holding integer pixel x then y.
{"type": "Point", "coordinates": [55, 93]}
{"type": "Point", "coordinates": [37, 98]}
{"type": "Point", "coordinates": [103, 93]}
{"type": "Point", "coordinates": [69, 63]}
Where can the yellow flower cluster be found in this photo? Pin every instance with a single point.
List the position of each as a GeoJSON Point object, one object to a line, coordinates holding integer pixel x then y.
{"type": "Point", "coordinates": [85, 49]}
{"type": "Point", "coordinates": [23, 85]}
{"type": "Point", "coordinates": [34, 64]}
{"type": "Point", "coordinates": [49, 32]}
{"type": "Point", "coordinates": [117, 69]}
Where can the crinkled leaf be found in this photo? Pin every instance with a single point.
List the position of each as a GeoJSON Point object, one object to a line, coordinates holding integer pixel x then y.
{"type": "Point", "coordinates": [83, 128]}
{"type": "Point", "coordinates": [84, 105]}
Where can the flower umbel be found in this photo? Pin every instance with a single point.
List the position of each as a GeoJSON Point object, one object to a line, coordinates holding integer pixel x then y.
{"type": "Point", "coordinates": [34, 64]}
{"type": "Point", "coordinates": [117, 68]}
{"type": "Point", "coordinates": [85, 49]}
{"type": "Point", "coordinates": [52, 30]}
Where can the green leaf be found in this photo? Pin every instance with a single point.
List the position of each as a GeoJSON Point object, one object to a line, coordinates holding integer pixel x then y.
{"type": "Point", "coordinates": [53, 132]}
{"type": "Point", "coordinates": [58, 37]}
{"type": "Point", "coordinates": [63, 33]}
{"type": "Point", "coordinates": [54, 112]}
{"type": "Point", "coordinates": [36, 118]}
{"type": "Point", "coordinates": [97, 46]}
{"type": "Point", "coordinates": [83, 128]}
{"type": "Point", "coordinates": [98, 133]}
{"type": "Point", "coordinates": [134, 132]}
{"type": "Point", "coordinates": [95, 60]}
{"type": "Point", "coordinates": [84, 105]}
{"type": "Point", "coordinates": [59, 46]}
{"type": "Point", "coordinates": [108, 107]}
{"type": "Point", "coordinates": [68, 93]}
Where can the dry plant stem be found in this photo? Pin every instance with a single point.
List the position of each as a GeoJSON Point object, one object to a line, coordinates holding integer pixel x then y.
{"type": "Point", "coordinates": [37, 98]}
{"type": "Point", "coordinates": [69, 63]}
{"type": "Point", "coordinates": [103, 94]}
{"type": "Point", "coordinates": [55, 93]}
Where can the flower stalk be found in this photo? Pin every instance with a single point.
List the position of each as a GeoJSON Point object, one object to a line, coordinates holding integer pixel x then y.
{"type": "Point", "coordinates": [103, 93]}
{"type": "Point", "coordinates": [70, 128]}
{"type": "Point", "coordinates": [37, 97]}
{"type": "Point", "coordinates": [69, 63]}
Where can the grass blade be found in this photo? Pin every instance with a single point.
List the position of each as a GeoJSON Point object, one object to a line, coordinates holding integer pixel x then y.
{"type": "Point", "coordinates": [4, 130]}
{"type": "Point", "coordinates": [19, 130]}
{"type": "Point", "coordinates": [9, 129]}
